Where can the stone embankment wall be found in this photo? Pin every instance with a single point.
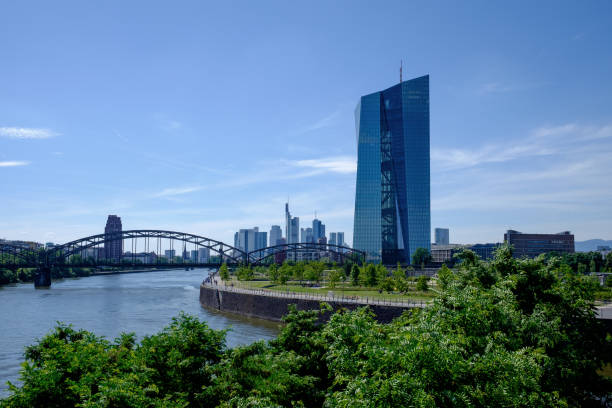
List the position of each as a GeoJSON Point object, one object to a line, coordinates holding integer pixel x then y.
{"type": "Point", "coordinates": [271, 307]}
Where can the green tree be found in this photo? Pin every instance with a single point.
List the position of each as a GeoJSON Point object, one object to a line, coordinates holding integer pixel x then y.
{"type": "Point", "coordinates": [445, 275]}
{"type": "Point", "coordinates": [609, 262]}
{"type": "Point", "coordinates": [593, 266]}
{"type": "Point", "coordinates": [273, 273]}
{"type": "Point", "coordinates": [421, 257]}
{"type": "Point", "coordinates": [371, 275]}
{"type": "Point", "coordinates": [355, 275]}
{"type": "Point", "coordinates": [224, 272]}
{"type": "Point", "coordinates": [582, 269]}
{"type": "Point", "coordinates": [284, 273]}
{"type": "Point", "coordinates": [388, 284]}
{"type": "Point", "coordinates": [245, 273]}
{"type": "Point", "coordinates": [312, 272]}
{"type": "Point", "coordinates": [298, 271]}
{"type": "Point", "coordinates": [334, 277]}
{"type": "Point", "coordinates": [422, 283]}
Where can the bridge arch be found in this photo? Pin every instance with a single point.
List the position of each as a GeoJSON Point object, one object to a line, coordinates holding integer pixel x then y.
{"type": "Point", "coordinates": [59, 254]}
{"type": "Point", "coordinates": [341, 252]}
{"type": "Point", "coordinates": [19, 255]}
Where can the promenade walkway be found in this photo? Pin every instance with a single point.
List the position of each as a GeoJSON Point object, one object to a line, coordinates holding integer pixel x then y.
{"type": "Point", "coordinates": [214, 281]}
{"type": "Point", "coordinates": [604, 311]}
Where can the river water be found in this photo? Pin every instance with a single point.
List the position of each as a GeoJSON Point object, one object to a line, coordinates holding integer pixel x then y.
{"type": "Point", "coordinates": [107, 305]}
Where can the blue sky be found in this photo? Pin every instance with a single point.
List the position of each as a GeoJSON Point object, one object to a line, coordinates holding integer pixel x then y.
{"type": "Point", "coordinates": [204, 117]}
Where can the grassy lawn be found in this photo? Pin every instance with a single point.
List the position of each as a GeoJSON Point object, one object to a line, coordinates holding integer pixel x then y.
{"type": "Point", "coordinates": [604, 293]}
{"type": "Point", "coordinates": [341, 289]}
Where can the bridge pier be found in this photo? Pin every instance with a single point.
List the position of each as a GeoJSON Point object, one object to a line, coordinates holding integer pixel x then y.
{"type": "Point", "coordinates": [43, 277]}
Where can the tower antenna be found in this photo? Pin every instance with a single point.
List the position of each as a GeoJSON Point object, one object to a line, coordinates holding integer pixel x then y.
{"type": "Point", "coordinates": [401, 63]}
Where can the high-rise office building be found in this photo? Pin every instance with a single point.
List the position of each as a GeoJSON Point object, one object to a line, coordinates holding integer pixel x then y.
{"type": "Point", "coordinates": [275, 234]}
{"type": "Point", "coordinates": [306, 235]}
{"type": "Point", "coordinates": [292, 227]}
{"type": "Point", "coordinates": [203, 255]}
{"type": "Point", "coordinates": [194, 256]}
{"type": "Point", "coordinates": [340, 238]}
{"type": "Point", "coordinates": [336, 238]}
{"type": "Point", "coordinates": [441, 236]}
{"type": "Point", "coordinates": [392, 200]}
{"type": "Point", "coordinates": [250, 239]}
{"type": "Point", "coordinates": [318, 229]}
{"type": "Point", "coordinates": [113, 249]}
{"type": "Point", "coordinates": [170, 254]}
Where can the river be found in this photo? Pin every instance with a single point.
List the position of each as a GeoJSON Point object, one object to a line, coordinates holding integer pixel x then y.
{"type": "Point", "coordinates": [108, 305]}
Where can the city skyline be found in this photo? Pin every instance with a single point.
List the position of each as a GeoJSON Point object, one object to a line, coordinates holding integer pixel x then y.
{"type": "Point", "coordinates": [98, 117]}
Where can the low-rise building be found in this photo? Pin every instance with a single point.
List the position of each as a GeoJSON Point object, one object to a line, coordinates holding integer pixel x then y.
{"type": "Point", "coordinates": [532, 245]}
{"type": "Point", "coordinates": [444, 253]}
{"type": "Point", "coordinates": [485, 251]}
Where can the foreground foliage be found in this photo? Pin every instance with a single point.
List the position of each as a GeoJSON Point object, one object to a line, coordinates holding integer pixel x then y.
{"type": "Point", "coordinates": [519, 333]}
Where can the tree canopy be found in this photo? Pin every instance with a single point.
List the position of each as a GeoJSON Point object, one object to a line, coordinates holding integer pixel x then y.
{"type": "Point", "coordinates": [519, 333]}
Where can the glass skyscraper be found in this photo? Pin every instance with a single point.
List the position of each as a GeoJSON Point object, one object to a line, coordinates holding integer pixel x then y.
{"type": "Point", "coordinates": [392, 203]}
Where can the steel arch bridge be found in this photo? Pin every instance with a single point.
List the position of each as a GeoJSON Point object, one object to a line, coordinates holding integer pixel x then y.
{"type": "Point", "coordinates": [227, 253]}
{"type": "Point", "coordinates": [340, 253]}
{"type": "Point", "coordinates": [67, 255]}
{"type": "Point", "coordinates": [18, 255]}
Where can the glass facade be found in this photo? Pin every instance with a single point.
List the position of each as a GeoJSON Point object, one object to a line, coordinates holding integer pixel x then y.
{"type": "Point", "coordinates": [392, 202]}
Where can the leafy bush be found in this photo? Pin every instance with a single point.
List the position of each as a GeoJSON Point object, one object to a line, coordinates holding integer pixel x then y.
{"type": "Point", "coordinates": [422, 283]}
{"type": "Point", "coordinates": [515, 333]}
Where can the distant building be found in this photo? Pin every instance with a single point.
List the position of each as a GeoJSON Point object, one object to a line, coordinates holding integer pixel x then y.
{"type": "Point", "coordinates": [318, 230]}
{"type": "Point", "coordinates": [194, 256]}
{"type": "Point", "coordinates": [444, 253]}
{"type": "Point", "coordinates": [332, 238]}
{"type": "Point", "coordinates": [203, 255]}
{"type": "Point", "coordinates": [170, 254]}
{"type": "Point", "coordinates": [340, 239]}
{"type": "Point", "coordinates": [140, 257]}
{"type": "Point", "coordinates": [441, 236]}
{"type": "Point", "coordinates": [292, 227]}
{"type": "Point", "coordinates": [604, 250]}
{"type": "Point", "coordinates": [280, 257]}
{"type": "Point", "coordinates": [275, 234]}
{"type": "Point", "coordinates": [113, 249]}
{"type": "Point", "coordinates": [485, 251]}
{"type": "Point", "coordinates": [250, 239]}
{"type": "Point", "coordinates": [306, 235]}
{"type": "Point", "coordinates": [532, 245]}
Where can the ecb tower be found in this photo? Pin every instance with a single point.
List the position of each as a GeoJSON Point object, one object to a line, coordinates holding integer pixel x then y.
{"type": "Point", "coordinates": [392, 199]}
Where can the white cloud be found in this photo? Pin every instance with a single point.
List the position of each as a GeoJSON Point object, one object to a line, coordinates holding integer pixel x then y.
{"type": "Point", "coordinates": [341, 164]}
{"type": "Point", "coordinates": [26, 133]}
{"type": "Point", "coordinates": [13, 163]}
{"type": "Point", "coordinates": [543, 141]}
{"type": "Point", "coordinates": [327, 121]}
{"type": "Point", "coordinates": [168, 192]}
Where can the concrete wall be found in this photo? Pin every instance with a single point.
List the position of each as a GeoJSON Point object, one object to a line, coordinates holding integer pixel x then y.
{"type": "Point", "coordinates": [274, 308]}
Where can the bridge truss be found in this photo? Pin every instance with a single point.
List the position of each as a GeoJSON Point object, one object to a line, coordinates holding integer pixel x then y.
{"type": "Point", "coordinates": [150, 243]}
{"type": "Point", "coordinates": [306, 251]}
{"type": "Point", "coordinates": [90, 251]}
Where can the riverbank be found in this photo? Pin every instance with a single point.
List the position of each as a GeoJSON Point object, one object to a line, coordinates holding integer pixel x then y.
{"type": "Point", "coordinates": [27, 275]}
{"type": "Point", "coordinates": [271, 305]}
